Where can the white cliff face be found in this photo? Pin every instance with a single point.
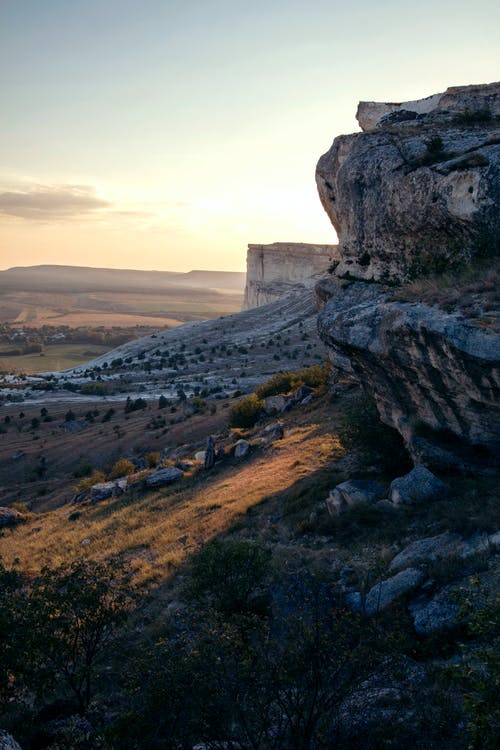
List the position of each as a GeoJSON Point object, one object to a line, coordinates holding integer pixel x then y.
{"type": "Point", "coordinates": [472, 99]}
{"type": "Point", "coordinates": [276, 270]}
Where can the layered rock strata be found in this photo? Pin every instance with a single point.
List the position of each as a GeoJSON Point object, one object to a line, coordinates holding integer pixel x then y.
{"type": "Point", "coordinates": [417, 193]}
{"type": "Point", "coordinates": [277, 270]}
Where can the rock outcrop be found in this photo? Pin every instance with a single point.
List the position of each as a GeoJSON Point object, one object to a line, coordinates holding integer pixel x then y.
{"type": "Point", "coordinates": [277, 270]}
{"type": "Point", "coordinates": [417, 193]}
{"type": "Point", "coordinates": [419, 190]}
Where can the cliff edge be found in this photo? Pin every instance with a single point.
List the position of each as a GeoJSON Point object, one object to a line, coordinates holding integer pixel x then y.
{"type": "Point", "coordinates": [415, 199]}
{"type": "Point", "coordinates": [282, 268]}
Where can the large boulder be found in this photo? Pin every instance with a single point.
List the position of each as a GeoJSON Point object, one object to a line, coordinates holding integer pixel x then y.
{"type": "Point", "coordinates": [161, 477]}
{"type": "Point", "coordinates": [439, 548]}
{"type": "Point", "coordinates": [354, 492]}
{"type": "Point", "coordinates": [419, 190]}
{"type": "Point", "coordinates": [384, 594]}
{"type": "Point", "coordinates": [241, 449]}
{"type": "Point", "coordinates": [419, 485]}
{"type": "Point", "coordinates": [434, 375]}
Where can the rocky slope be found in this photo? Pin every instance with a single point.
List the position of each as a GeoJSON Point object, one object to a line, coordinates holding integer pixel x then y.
{"type": "Point", "coordinates": [282, 268]}
{"type": "Point", "coordinates": [417, 193]}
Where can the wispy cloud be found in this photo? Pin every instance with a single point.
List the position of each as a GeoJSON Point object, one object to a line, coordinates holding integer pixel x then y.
{"type": "Point", "coordinates": [52, 202]}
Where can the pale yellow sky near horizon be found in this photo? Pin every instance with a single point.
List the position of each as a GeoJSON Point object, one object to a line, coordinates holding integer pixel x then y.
{"type": "Point", "coordinates": [167, 135]}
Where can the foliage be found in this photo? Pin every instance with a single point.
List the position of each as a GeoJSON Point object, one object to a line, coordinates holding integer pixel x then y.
{"type": "Point", "coordinates": [284, 382]}
{"type": "Point", "coordinates": [246, 411]}
{"type": "Point", "coordinates": [122, 468]}
{"type": "Point", "coordinates": [361, 429]}
{"type": "Point", "coordinates": [482, 674]}
{"type": "Point", "coordinates": [226, 575]}
{"type": "Point", "coordinates": [57, 625]}
{"type": "Point", "coordinates": [95, 478]}
{"type": "Point", "coordinates": [269, 683]}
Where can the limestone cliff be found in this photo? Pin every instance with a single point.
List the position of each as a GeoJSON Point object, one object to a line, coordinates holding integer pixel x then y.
{"type": "Point", "coordinates": [279, 269]}
{"type": "Point", "coordinates": [417, 193]}
{"type": "Point", "coordinates": [419, 190]}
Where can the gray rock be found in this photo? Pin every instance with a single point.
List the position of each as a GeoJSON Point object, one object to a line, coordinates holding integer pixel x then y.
{"type": "Point", "coordinates": [9, 517]}
{"type": "Point", "coordinates": [164, 476]}
{"type": "Point", "coordinates": [439, 613]}
{"type": "Point", "coordinates": [103, 490]}
{"type": "Point", "coordinates": [389, 193]}
{"type": "Point", "coordinates": [241, 449]}
{"type": "Point", "coordinates": [354, 492]}
{"type": "Point", "coordinates": [209, 453]}
{"type": "Point", "coordinates": [383, 594]}
{"type": "Point", "coordinates": [199, 456]}
{"type": "Point", "coordinates": [426, 550]}
{"type": "Point", "coordinates": [7, 741]}
{"type": "Point", "coordinates": [275, 404]}
{"type": "Point", "coordinates": [418, 486]}
{"type": "Point", "coordinates": [422, 365]}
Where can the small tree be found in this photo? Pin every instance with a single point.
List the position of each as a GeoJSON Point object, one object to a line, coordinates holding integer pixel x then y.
{"type": "Point", "coordinates": [74, 611]}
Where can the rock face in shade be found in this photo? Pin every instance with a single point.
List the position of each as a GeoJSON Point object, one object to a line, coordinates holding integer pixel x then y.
{"type": "Point", "coordinates": [417, 193]}
{"type": "Point", "coordinates": [420, 189]}
{"type": "Point", "coordinates": [434, 376]}
{"type": "Point", "coordinates": [277, 270]}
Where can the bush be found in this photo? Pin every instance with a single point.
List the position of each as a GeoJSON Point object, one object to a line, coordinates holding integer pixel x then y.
{"type": "Point", "coordinates": [225, 575]}
{"type": "Point", "coordinates": [122, 468]}
{"type": "Point", "coordinates": [283, 382]}
{"type": "Point", "coordinates": [361, 429]}
{"type": "Point", "coordinates": [246, 411]}
{"type": "Point", "coordinates": [95, 478]}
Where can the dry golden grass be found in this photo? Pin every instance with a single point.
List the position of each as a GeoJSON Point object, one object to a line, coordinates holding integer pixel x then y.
{"type": "Point", "coordinates": [157, 531]}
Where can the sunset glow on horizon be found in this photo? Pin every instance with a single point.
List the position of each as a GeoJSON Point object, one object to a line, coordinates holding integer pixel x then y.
{"type": "Point", "coordinates": [167, 135]}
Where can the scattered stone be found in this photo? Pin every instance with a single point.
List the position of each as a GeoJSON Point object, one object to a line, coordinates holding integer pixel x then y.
{"type": "Point", "coordinates": [9, 517]}
{"type": "Point", "coordinates": [241, 449]}
{"type": "Point", "coordinates": [17, 455]}
{"type": "Point", "coordinates": [390, 695]}
{"type": "Point", "coordinates": [306, 400]}
{"type": "Point", "coordinates": [85, 542]}
{"type": "Point", "coordinates": [440, 613]}
{"type": "Point", "coordinates": [199, 456]}
{"type": "Point", "coordinates": [104, 490]}
{"type": "Point", "coordinates": [275, 404]}
{"type": "Point", "coordinates": [385, 593]}
{"type": "Point", "coordinates": [301, 393]}
{"type": "Point", "coordinates": [7, 741]}
{"type": "Point", "coordinates": [164, 476]}
{"type": "Point", "coordinates": [184, 465]}
{"type": "Point", "coordinates": [418, 486]}
{"type": "Point", "coordinates": [274, 431]}
{"type": "Point", "coordinates": [354, 492]}
{"type": "Point", "coordinates": [209, 453]}
{"type": "Point", "coordinates": [426, 550]}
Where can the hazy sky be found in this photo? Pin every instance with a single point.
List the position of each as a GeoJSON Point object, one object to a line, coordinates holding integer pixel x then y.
{"type": "Point", "coordinates": [168, 135]}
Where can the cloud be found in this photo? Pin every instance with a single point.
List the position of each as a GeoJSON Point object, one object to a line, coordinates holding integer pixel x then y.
{"type": "Point", "coordinates": [52, 202]}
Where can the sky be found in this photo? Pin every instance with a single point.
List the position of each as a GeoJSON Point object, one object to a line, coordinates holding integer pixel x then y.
{"type": "Point", "coordinates": [161, 134]}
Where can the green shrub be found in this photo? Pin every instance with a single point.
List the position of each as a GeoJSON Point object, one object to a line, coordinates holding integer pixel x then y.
{"type": "Point", "coordinates": [361, 429]}
{"type": "Point", "coordinates": [225, 575]}
{"type": "Point", "coordinates": [246, 411]}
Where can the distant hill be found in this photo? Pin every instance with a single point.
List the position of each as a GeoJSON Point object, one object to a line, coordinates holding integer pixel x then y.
{"type": "Point", "coordinates": [52, 278]}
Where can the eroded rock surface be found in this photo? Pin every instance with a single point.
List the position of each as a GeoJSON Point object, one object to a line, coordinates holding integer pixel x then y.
{"type": "Point", "coordinates": [420, 190]}
{"type": "Point", "coordinates": [282, 268]}
{"type": "Point", "coordinates": [434, 376]}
